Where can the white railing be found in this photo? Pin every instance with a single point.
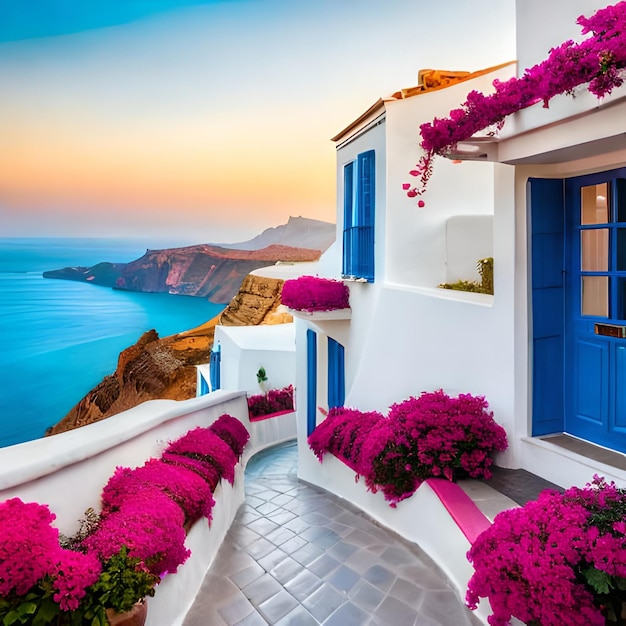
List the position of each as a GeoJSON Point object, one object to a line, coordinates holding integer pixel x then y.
{"type": "Point", "coordinates": [68, 471]}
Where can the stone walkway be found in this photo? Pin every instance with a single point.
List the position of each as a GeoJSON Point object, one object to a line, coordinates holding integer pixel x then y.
{"type": "Point", "coordinates": [298, 556]}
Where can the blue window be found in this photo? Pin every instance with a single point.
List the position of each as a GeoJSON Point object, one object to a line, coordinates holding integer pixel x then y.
{"type": "Point", "coordinates": [358, 217]}
{"type": "Point", "coordinates": [311, 381]}
{"type": "Point", "coordinates": [336, 374]}
{"type": "Point", "coordinates": [215, 367]}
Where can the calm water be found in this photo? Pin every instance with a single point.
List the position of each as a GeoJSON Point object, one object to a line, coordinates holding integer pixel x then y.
{"type": "Point", "coordinates": [59, 338]}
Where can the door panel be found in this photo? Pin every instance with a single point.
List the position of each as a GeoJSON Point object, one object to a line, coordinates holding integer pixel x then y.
{"type": "Point", "coordinates": [595, 309]}
{"type": "Point", "coordinates": [592, 368]}
{"type": "Point", "coordinates": [619, 420]}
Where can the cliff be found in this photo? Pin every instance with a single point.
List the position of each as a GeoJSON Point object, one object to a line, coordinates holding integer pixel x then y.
{"type": "Point", "coordinates": [164, 368]}
{"type": "Point", "coordinates": [209, 271]}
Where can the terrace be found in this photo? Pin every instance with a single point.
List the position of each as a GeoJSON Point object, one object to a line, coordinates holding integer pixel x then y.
{"type": "Point", "coordinates": [279, 550]}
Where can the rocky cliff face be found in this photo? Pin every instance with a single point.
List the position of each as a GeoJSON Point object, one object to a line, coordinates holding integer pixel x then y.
{"type": "Point", "coordinates": [205, 271]}
{"type": "Point", "coordinates": [164, 368]}
{"type": "Point", "coordinates": [209, 271]}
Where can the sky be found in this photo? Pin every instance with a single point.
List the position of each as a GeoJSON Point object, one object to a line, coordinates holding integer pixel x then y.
{"type": "Point", "coordinates": [205, 120]}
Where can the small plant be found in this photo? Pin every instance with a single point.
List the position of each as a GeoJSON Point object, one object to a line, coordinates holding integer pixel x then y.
{"type": "Point", "coordinates": [485, 269]}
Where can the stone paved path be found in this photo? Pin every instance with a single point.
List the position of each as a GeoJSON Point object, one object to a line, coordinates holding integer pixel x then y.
{"type": "Point", "coordinates": [298, 556]}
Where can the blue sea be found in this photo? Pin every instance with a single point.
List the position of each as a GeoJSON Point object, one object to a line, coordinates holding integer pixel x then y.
{"type": "Point", "coordinates": [59, 338]}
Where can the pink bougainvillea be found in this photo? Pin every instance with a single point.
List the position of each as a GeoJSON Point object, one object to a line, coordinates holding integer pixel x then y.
{"type": "Point", "coordinates": [433, 435]}
{"type": "Point", "coordinates": [232, 431]}
{"type": "Point", "coordinates": [311, 293]}
{"type": "Point", "coordinates": [30, 556]}
{"type": "Point", "coordinates": [150, 525]}
{"type": "Point", "coordinates": [184, 486]}
{"type": "Point", "coordinates": [598, 61]}
{"type": "Point", "coordinates": [560, 559]}
{"type": "Point", "coordinates": [204, 445]}
{"type": "Point", "coordinates": [274, 401]}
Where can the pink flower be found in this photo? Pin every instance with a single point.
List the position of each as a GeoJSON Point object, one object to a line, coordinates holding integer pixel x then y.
{"type": "Point", "coordinates": [311, 293]}
{"type": "Point", "coordinates": [598, 61]}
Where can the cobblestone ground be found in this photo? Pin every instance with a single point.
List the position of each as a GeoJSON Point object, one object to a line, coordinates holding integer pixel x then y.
{"type": "Point", "coordinates": [298, 556]}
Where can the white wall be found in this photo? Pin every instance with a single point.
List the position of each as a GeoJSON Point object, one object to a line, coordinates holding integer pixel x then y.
{"type": "Point", "coordinates": [543, 25]}
{"type": "Point", "coordinates": [244, 349]}
{"type": "Point", "coordinates": [415, 241]}
{"type": "Point", "coordinates": [468, 239]}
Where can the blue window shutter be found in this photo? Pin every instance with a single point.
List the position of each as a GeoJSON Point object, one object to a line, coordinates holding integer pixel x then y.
{"type": "Point", "coordinates": [336, 374]}
{"type": "Point", "coordinates": [311, 381]}
{"type": "Point", "coordinates": [366, 168]}
{"type": "Point", "coordinates": [204, 386]}
{"type": "Point", "coordinates": [348, 213]}
{"type": "Point", "coordinates": [215, 367]}
{"type": "Point", "coordinates": [546, 205]}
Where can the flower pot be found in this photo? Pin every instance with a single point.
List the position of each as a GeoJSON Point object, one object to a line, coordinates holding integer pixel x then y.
{"type": "Point", "coordinates": [135, 617]}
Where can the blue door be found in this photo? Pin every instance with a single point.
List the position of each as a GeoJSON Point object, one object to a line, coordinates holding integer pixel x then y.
{"type": "Point", "coordinates": [595, 308]}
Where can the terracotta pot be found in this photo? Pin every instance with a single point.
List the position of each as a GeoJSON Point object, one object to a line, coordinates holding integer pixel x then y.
{"type": "Point", "coordinates": [135, 617]}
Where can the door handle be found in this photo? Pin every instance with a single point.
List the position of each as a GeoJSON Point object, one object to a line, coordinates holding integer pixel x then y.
{"type": "Point", "coordinates": [610, 330]}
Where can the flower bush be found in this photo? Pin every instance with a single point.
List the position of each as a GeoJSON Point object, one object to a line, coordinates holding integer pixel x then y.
{"type": "Point", "coordinates": [232, 431]}
{"type": "Point", "coordinates": [184, 486]}
{"type": "Point", "coordinates": [343, 434]}
{"type": "Point", "coordinates": [560, 559]}
{"type": "Point", "coordinates": [117, 557]}
{"type": "Point", "coordinates": [311, 293]}
{"type": "Point", "coordinates": [202, 444]}
{"type": "Point", "coordinates": [274, 401]}
{"type": "Point", "coordinates": [598, 61]}
{"type": "Point", "coordinates": [430, 436]}
{"type": "Point", "coordinates": [150, 525]}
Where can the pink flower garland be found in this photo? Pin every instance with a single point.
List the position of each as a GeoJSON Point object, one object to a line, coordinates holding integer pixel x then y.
{"type": "Point", "coordinates": [598, 61]}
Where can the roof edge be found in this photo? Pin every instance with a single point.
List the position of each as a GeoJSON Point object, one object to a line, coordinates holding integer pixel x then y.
{"type": "Point", "coordinates": [403, 94]}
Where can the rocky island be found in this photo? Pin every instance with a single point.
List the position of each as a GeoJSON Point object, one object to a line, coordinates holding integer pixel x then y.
{"type": "Point", "coordinates": [209, 271]}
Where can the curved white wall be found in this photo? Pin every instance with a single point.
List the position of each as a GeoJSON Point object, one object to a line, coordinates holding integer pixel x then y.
{"type": "Point", "coordinates": [69, 470]}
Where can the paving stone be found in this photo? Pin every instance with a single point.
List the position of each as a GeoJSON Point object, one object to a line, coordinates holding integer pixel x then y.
{"type": "Point", "coordinates": [261, 589]}
{"type": "Point", "coordinates": [347, 615]}
{"type": "Point", "coordinates": [380, 577]}
{"type": "Point", "coordinates": [304, 584]}
{"type": "Point", "coordinates": [278, 606]}
{"type": "Point", "coordinates": [324, 565]}
{"type": "Point", "coordinates": [366, 596]}
{"type": "Point", "coordinates": [323, 602]}
{"type": "Point", "coordinates": [298, 617]}
{"type": "Point", "coordinates": [343, 579]}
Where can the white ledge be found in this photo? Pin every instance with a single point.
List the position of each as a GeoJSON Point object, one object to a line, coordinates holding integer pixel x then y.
{"type": "Point", "coordinates": [335, 314]}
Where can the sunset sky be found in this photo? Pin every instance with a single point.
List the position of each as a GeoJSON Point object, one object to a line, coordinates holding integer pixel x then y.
{"type": "Point", "coordinates": [208, 121]}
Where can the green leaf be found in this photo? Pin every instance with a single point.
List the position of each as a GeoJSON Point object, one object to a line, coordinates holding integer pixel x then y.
{"type": "Point", "coordinates": [28, 607]}
{"type": "Point", "coordinates": [598, 580]}
{"type": "Point", "coordinates": [10, 618]}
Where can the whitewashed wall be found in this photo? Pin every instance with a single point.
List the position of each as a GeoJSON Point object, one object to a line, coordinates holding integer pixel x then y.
{"type": "Point", "coordinates": [415, 238]}
{"type": "Point", "coordinates": [244, 349]}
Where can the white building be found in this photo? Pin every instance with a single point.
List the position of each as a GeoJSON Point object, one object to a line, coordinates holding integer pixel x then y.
{"type": "Point", "coordinates": [546, 350]}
